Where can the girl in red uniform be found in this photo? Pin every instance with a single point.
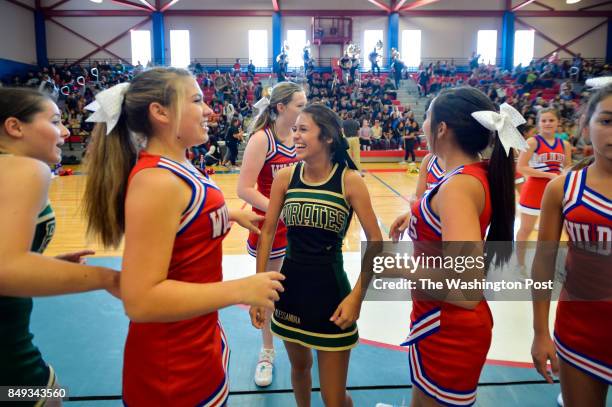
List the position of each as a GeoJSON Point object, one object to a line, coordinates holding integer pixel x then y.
{"type": "Point", "coordinates": [270, 148]}
{"type": "Point", "coordinates": [581, 203]}
{"type": "Point", "coordinates": [174, 219]}
{"type": "Point", "coordinates": [449, 340]}
{"type": "Point", "coordinates": [544, 160]}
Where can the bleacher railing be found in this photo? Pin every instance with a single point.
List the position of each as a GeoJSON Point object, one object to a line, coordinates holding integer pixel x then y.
{"type": "Point", "coordinates": [225, 64]}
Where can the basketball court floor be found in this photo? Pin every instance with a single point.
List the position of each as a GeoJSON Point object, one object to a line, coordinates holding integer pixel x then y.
{"type": "Point", "coordinates": [83, 335]}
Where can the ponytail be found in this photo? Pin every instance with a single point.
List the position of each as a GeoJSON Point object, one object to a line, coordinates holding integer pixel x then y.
{"type": "Point", "coordinates": [501, 183]}
{"type": "Point", "coordinates": [455, 107]}
{"type": "Point", "coordinates": [341, 155]}
{"type": "Point", "coordinates": [110, 159]}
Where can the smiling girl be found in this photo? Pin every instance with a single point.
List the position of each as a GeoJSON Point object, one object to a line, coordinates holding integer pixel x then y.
{"type": "Point", "coordinates": [30, 140]}
{"type": "Point", "coordinates": [174, 219]}
{"type": "Point", "coordinates": [543, 161]}
{"type": "Point", "coordinates": [270, 148]}
{"type": "Point", "coordinates": [317, 198]}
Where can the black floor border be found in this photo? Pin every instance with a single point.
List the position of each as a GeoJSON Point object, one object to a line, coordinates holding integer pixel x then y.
{"type": "Point", "coordinates": [317, 389]}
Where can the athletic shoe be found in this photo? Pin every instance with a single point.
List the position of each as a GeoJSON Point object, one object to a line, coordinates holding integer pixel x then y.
{"type": "Point", "coordinates": [264, 368]}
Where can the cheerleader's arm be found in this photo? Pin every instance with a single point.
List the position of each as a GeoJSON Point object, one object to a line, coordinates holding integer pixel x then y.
{"type": "Point", "coordinates": [551, 221]}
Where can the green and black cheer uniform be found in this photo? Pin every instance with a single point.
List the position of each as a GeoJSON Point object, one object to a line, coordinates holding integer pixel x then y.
{"type": "Point", "coordinates": [317, 218]}
{"type": "Point", "coordinates": [20, 361]}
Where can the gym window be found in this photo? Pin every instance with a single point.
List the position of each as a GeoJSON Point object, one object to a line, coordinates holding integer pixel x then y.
{"type": "Point", "coordinates": [411, 48]}
{"type": "Point", "coordinates": [141, 47]}
{"type": "Point", "coordinates": [523, 47]}
{"type": "Point", "coordinates": [179, 48]}
{"type": "Point", "coordinates": [370, 38]}
{"type": "Point", "coordinates": [296, 39]}
{"type": "Point", "coordinates": [487, 46]}
{"type": "Point", "coordinates": [258, 47]}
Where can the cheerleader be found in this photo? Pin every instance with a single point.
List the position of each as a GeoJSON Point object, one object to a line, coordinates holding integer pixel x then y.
{"type": "Point", "coordinates": [30, 139]}
{"type": "Point", "coordinates": [317, 198]}
{"type": "Point", "coordinates": [269, 149]}
{"type": "Point", "coordinates": [449, 339]}
{"type": "Point", "coordinates": [174, 219]}
{"type": "Point", "coordinates": [581, 203]}
{"type": "Point", "coordinates": [543, 161]}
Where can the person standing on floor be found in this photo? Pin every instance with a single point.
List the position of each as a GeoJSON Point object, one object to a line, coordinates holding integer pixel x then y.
{"type": "Point", "coordinates": [351, 132]}
{"type": "Point", "coordinates": [579, 202]}
{"type": "Point", "coordinates": [317, 198]}
{"type": "Point", "coordinates": [174, 219]}
{"type": "Point", "coordinates": [270, 148]}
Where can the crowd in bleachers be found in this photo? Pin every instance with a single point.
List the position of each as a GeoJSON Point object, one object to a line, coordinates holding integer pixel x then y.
{"type": "Point", "coordinates": [541, 84]}
{"type": "Point", "coordinates": [370, 100]}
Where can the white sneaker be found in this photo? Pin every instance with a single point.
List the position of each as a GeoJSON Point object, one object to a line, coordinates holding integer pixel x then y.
{"type": "Point", "coordinates": [264, 368]}
{"type": "Point", "coordinates": [560, 400]}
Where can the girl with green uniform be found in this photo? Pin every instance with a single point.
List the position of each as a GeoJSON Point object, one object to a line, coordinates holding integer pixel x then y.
{"type": "Point", "coordinates": [318, 309]}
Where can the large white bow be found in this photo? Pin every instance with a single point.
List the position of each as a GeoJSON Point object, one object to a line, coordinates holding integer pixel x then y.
{"type": "Point", "coordinates": [505, 123]}
{"type": "Point", "coordinates": [599, 82]}
{"type": "Point", "coordinates": [107, 106]}
{"type": "Point", "coordinates": [262, 104]}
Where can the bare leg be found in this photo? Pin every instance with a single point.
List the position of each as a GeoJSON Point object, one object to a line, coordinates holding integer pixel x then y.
{"type": "Point", "coordinates": [527, 225]}
{"type": "Point", "coordinates": [333, 370]}
{"type": "Point", "coordinates": [420, 399]}
{"type": "Point", "coordinates": [301, 364]}
{"type": "Point", "coordinates": [579, 389]}
{"type": "Point", "coordinates": [265, 366]}
{"type": "Point", "coordinates": [266, 334]}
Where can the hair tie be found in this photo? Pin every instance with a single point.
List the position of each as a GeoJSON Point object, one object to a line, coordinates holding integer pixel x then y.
{"type": "Point", "coordinates": [107, 106]}
{"type": "Point", "coordinates": [505, 123]}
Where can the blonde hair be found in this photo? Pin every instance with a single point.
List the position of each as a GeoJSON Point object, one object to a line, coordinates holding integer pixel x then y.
{"type": "Point", "coordinates": [110, 158]}
{"type": "Point", "coordinates": [281, 93]}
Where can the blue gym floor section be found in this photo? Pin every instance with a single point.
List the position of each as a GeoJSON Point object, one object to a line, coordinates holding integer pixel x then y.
{"type": "Point", "coordinates": [83, 336]}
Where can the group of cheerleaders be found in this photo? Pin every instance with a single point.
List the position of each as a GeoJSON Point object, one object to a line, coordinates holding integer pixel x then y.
{"type": "Point", "coordinates": [142, 189]}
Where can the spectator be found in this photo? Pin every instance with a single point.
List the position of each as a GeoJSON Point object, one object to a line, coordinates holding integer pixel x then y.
{"type": "Point", "coordinates": [365, 135]}
{"type": "Point", "coordinates": [233, 138]}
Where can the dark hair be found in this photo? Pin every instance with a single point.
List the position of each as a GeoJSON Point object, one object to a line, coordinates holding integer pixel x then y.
{"type": "Point", "coordinates": [595, 99]}
{"type": "Point", "coordinates": [525, 128]}
{"type": "Point", "coordinates": [21, 103]}
{"type": "Point", "coordinates": [330, 127]}
{"type": "Point", "coordinates": [455, 107]}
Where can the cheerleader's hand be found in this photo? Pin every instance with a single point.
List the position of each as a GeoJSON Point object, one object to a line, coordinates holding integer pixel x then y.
{"type": "Point", "coordinates": [399, 226]}
{"type": "Point", "coordinates": [260, 292]}
{"type": "Point", "coordinates": [247, 219]}
{"type": "Point", "coordinates": [542, 351]}
{"type": "Point", "coordinates": [258, 316]}
{"type": "Point", "coordinates": [347, 312]}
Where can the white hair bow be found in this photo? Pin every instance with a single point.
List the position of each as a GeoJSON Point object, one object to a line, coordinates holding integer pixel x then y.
{"type": "Point", "coordinates": [505, 123]}
{"type": "Point", "coordinates": [599, 82]}
{"type": "Point", "coordinates": [107, 106]}
{"type": "Point", "coordinates": [262, 104]}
